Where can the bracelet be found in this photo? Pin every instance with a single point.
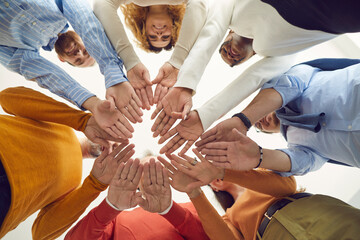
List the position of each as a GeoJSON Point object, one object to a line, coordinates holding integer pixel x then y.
{"type": "Point", "coordinates": [261, 157]}
{"type": "Point", "coordinates": [244, 119]}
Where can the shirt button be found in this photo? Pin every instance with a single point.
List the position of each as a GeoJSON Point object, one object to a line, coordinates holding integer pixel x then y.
{"type": "Point", "coordinates": [349, 127]}
{"type": "Point", "coordinates": [6, 4]}
{"type": "Point", "coordinates": [34, 23]}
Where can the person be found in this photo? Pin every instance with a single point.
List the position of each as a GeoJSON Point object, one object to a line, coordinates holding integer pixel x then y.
{"type": "Point", "coordinates": [156, 26]}
{"type": "Point", "coordinates": [41, 162]}
{"type": "Point", "coordinates": [276, 45]}
{"type": "Point", "coordinates": [267, 206]}
{"type": "Point", "coordinates": [25, 29]}
{"type": "Point", "coordinates": [316, 112]}
{"type": "Point", "coordinates": [159, 217]}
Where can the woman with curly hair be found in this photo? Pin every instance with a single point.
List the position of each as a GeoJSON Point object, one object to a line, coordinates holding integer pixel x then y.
{"type": "Point", "coordinates": [156, 25]}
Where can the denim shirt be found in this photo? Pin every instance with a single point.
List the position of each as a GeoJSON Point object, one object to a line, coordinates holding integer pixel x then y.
{"type": "Point", "coordinates": [28, 25]}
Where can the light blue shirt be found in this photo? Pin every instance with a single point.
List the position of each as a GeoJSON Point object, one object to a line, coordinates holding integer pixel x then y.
{"type": "Point", "coordinates": [26, 26]}
{"type": "Point", "coordinates": [309, 91]}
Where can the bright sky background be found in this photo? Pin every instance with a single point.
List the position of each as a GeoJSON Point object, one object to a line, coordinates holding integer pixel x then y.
{"type": "Point", "coordinates": [333, 180]}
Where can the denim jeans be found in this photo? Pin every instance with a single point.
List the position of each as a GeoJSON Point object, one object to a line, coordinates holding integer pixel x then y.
{"type": "Point", "coordinates": [5, 194]}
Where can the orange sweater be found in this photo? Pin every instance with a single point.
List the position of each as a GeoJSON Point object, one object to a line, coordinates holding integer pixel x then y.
{"type": "Point", "coordinates": [242, 220]}
{"type": "Point", "coordinates": [43, 162]}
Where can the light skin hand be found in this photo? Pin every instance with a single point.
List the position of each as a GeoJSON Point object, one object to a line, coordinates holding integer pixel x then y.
{"type": "Point", "coordinates": [97, 135]}
{"type": "Point", "coordinates": [176, 104]}
{"type": "Point", "coordinates": [222, 132]}
{"type": "Point", "coordinates": [240, 154]}
{"type": "Point", "coordinates": [155, 188]}
{"type": "Point", "coordinates": [123, 96]}
{"type": "Point", "coordinates": [139, 78]}
{"type": "Point", "coordinates": [105, 165]}
{"type": "Point", "coordinates": [179, 180]}
{"type": "Point", "coordinates": [109, 118]}
{"type": "Point", "coordinates": [122, 191]}
{"type": "Point", "coordinates": [165, 79]}
{"type": "Point", "coordinates": [203, 170]}
{"type": "Point", "coordinates": [187, 131]}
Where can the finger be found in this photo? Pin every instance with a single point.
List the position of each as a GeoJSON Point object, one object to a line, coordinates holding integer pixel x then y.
{"type": "Point", "coordinates": [204, 141]}
{"type": "Point", "coordinates": [109, 131]}
{"type": "Point", "coordinates": [133, 170]}
{"type": "Point", "coordinates": [149, 94]}
{"type": "Point", "coordinates": [168, 135]}
{"type": "Point", "coordinates": [186, 110]}
{"type": "Point", "coordinates": [183, 169]}
{"type": "Point", "coordinates": [126, 123]}
{"type": "Point", "coordinates": [137, 104]}
{"type": "Point", "coordinates": [199, 155]}
{"type": "Point", "coordinates": [157, 93]}
{"type": "Point", "coordinates": [209, 133]}
{"type": "Point", "coordinates": [157, 122]}
{"type": "Point", "coordinates": [167, 126]}
{"type": "Point", "coordinates": [116, 151]}
{"type": "Point", "coordinates": [146, 76]}
{"type": "Point", "coordinates": [166, 178]}
{"type": "Point", "coordinates": [127, 114]}
{"type": "Point", "coordinates": [137, 111]}
{"type": "Point", "coordinates": [117, 131]}
{"type": "Point", "coordinates": [161, 125]}
{"type": "Point", "coordinates": [166, 163]}
{"type": "Point", "coordinates": [123, 129]}
{"type": "Point", "coordinates": [103, 155]}
{"type": "Point", "coordinates": [169, 145]}
{"type": "Point", "coordinates": [159, 77]}
{"type": "Point", "coordinates": [181, 161]}
{"type": "Point", "coordinates": [138, 93]}
{"type": "Point", "coordinates": [164, 91]}
{"type": "Point", "coordinates": [125, 172]}
{"type": "Point", "coordinates": [214, 152]}
{"type": "Point", "coordinates": [138, 175]}
{"type": "Point", "coordinates": [159, 174]}
{"type": "Point", "coordinates": [222, 165]}
{"type": "Point", "coordinates": [186, 148]}
{"type": "Point", "coordinates": [123, 155]}
{"type": "Point", "coordinates": [152, 171]}
{"type": "Point", "coordinates": [119, 170]}
{"type": "Point", "coordinates": [217, 145]}
{"type": "Point", "coordinates": [145, 99]}
{"type": "Point", "coordinates": [213, 158]}
{"type": "Point", "coordinates": [146, 175]}
{"type": "Point", "coordinates": [177, 145]}
{"type": "Point", "coordinates": [157, 110]}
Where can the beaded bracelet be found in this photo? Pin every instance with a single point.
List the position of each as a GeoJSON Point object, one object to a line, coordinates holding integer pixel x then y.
{"type": "Point", "coordinates": [261, 157]}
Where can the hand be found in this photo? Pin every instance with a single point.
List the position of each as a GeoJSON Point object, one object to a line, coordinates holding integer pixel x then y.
{"type": "Point", "coordinates": [179, 180]}
{"type": "Point", "coordinates": [97, 135]}
{"type": "Point", "coordinates": [126, 100]}
{"type": "Point", "coordinates": [222, 132]}
{"type": "Point", "coordinates": [122, 191]}
{"type": "Point", "coordinates": [155, 188]}
{"type": "Point", "coordinates": [139, 78]}
{"type": "Point", "coordinates": [109, 118]}
{"type": "Point", "coordinates": [240, 154]}
{"type": "Point", "coordinates": [202, 170]}
{"type": "Point", "coordinates": [176, 104]}
{"type": "Point", "coordinates": [105, 165]}
{"type": "Point", "coordinates": [186, 131]}
{"type": "Point", "coordinates": [165, 79]}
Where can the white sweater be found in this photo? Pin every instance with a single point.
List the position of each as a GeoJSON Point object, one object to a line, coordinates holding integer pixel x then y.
{"type": "Point", "coordinates": [194, 19]}
{"type": "Point", "coordinates": [273, 38]}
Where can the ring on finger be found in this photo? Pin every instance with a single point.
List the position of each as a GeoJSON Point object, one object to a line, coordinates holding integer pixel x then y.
{"type": "Point", "coordinates": [194, 162]}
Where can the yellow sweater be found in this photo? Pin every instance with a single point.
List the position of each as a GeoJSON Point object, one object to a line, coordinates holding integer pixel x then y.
{"type": "Point", "coordinates": [43, 162]}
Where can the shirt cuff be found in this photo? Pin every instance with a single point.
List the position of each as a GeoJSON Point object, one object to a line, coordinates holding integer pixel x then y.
{"type": "Point", "coordinates": [167, 210]}
{"type": "Point", "coordinates": [104, 213]}
{"type": "Point", "coordinates": [112, 205]}
{"type": "Point", "coordinates": [178, 56]}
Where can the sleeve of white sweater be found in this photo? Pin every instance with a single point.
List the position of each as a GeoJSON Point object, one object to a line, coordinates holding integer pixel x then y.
{"type": "Point", "coordinates": [106, 12]}
{"type": "Point", "coordinates": [244, 85]}
{"type": "Point", "coordinates": [211, 35]}
{"type": "Point", "coordinates": [193, 21]}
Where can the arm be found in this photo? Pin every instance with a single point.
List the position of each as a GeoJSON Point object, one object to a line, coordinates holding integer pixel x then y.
{"type": "Point", "coordinates": [192, 23]}
{"type": "Point", "coordinates": [106, 12]}
{"type": "Point", "coordinates": [28, 103]}
{"type": "Point", "coordinates": [249, 81]}
{"type": "Point", "coordinates": [48, 75]}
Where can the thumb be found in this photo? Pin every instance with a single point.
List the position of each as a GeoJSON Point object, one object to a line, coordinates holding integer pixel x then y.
{"type": "Point", "coordinates": [109, 104]}
{"type": "Point", "coordinates": [238, 135]}
{"type": "Point", "coordinates": [146, 76]}
{"type": "Point", "coordinates": [159, 77]}
{"type": "Point", "coordinates": [186, 110]}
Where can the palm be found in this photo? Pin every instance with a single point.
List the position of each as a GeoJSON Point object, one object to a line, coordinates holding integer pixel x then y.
{"type": "Point", "coordinates": [191, 128]}
{"type": "Point", "coordinates": [136, 77]}
{"type": "Point", "coordinates": [175, 100]}
{"type": "Point", "coordinates": [156, 198]}
{"type": "Point", "coordinates": [122, 94]}
{"type": "Point", "coordinates": [127, 198]}
{"type": "Point", "coordinates": [180, 181]}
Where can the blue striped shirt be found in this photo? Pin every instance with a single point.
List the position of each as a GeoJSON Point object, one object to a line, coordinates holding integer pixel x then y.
{"type": "Point", "coordinates": [26, 26]}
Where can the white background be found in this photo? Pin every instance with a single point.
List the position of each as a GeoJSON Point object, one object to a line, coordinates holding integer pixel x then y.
{"type": "Point", "coordinates": [333, 180]}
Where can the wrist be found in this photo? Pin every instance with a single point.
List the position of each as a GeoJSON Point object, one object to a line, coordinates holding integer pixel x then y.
{"type": "Point", "coordinates": [195, 193]}
{"type": "Point", "coordinates": [221, 174]}
{"type": "Point", "coordinates": [167, 209]}
{"type": "Point", "coordinates": [90, 103]}
{"type": "Point", "coordinates": [244, 119]}
{"type": "Point", "coordinates": [260, 157]}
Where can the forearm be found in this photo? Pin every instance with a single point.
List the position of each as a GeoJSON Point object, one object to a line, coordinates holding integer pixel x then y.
{"type": "Point", "coordinates": [57, 217]}
{"type": "Point", "coordinates": [212, 222]}
{"type": "Point", "coordinates": [192, 23]}
{"type": "Point", "coordinates": [106, 12]}
{"type": "Point", "coordinates": [28, 103]}
{"type": "Point", "coordinates": [248, 82]}
{"type": "Point", "coordinates": [275, 160]}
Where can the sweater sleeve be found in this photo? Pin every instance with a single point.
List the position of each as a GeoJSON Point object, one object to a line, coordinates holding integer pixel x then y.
{"type": "Point", "coordinates": [262, 181]}
{"type": "Point", "coordinates": [28, 103]}
{"type": "Point", "coordinates": [213, 224]}
{"type": "Point", "coordinates": [185, 222]}
{"type": "Point", "coordinates": [99, 223]}
{"type": "Point", "coordinates": [57, 217]}
{"type": "Point", "coordinates": [244, 85]}
{"type": "Point", "coordinates": [192, 23]}
{"type": "Point", "coordinates": [211, 35]}
{"type": "Point", "coordinates": [106, 12]}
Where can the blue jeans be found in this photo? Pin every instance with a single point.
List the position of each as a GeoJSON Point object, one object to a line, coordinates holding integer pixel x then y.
{"type": "Point", "coordinates": [5, 194]}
